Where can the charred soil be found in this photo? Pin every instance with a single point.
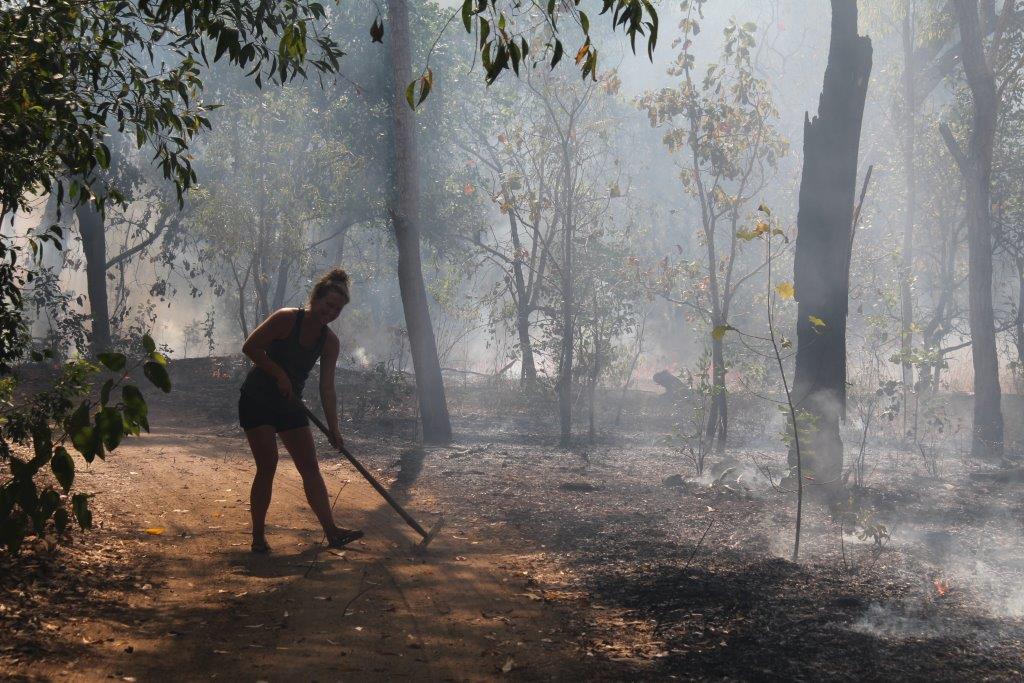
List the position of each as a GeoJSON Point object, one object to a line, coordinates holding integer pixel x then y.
{"type": "Point", "coordinates": [612, 561]}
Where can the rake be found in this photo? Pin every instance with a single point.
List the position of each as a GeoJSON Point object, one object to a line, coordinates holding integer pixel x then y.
{"type": "Point", "coordinates": [427, 536]}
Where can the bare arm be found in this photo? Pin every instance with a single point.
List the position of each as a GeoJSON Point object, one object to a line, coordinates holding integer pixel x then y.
{"type": "Point", "coordinates": [328, 394]}
{"type": "Point", "coordinates": [277, 326]}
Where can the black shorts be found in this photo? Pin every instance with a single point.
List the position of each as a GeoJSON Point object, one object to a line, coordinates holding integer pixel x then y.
{"type": "Point", "coordinates": [257, 411]}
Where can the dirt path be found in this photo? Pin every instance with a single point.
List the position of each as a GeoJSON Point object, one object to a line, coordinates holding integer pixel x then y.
{"type": "Point", "coordinates": [190, 602]}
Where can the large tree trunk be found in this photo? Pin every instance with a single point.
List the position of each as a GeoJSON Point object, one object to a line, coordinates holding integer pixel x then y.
{"type": "Point", "coordinates": [987, 437]}
{"type": "Point", "coordinates": [823, 243]}
{"type": "Point", "coordinates": [404, 212]}
{"type": "Point", "coordinates": [94, 246]}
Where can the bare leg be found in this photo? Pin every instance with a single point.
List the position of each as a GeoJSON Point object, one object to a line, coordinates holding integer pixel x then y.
{"type": "Point", "coordinates": [263, 443]}
{"type": "Point", "coordinates": [299, 443]}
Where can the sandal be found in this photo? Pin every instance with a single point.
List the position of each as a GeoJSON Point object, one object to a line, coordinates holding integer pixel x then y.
{"type": "Point", "coordinates": [344, 537]}
{"type": "Point", "coordinates": [261, 547]}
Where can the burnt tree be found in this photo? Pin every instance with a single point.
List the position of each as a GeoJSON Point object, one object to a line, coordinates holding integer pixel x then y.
{"type": "Point", "coordinates": [404, 211]}
{"type": "Point", "coordinates": [823, 244]}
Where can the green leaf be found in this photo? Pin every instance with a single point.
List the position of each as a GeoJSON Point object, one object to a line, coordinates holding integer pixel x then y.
{"type": "Point", "coordinates": [557, 56]}
{"type": "Point", "coordinates": [63, 466]}
{"type": "Point", "coordinates": [467, 15]}
{"type": "Point", "coordinates": [114, 362]}
{"type": "Point", "coordinates": [410, 95]}
{"type": "Point", "coordinates": [78, 419]}
{"type": "Point", "coordinates": [157, 374]}
{"type": "Point", "coordinates": [105, 391]}
{"type": "Point", "coordinates": [148, 344]}
{"type": "Point", "coordinates": [87, 443]}
{"type": "Point", "coordinates": [427, 82]}
{"type": "Point", "coordinates": [135, 407]}
{"type": "Point", "coordinates": [816, 322]}
{"type": "Point", "coordinates": [60, 520]}
{"type": "Point", "coordinates": [110, 427]}
{"type": "Point", "coordinates": [42, 443]}
{"type": "Point", "coordinates": [719, 332]}
{"type": "Point", "coordinates": [80, 506]}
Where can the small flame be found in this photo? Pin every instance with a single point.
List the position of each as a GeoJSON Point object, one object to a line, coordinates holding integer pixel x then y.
{"type": "Point", "coordinates": [941, 587]}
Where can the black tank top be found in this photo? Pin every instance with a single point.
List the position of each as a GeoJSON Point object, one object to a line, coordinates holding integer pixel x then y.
{"type": "Point", "coordinates": [294, 358]}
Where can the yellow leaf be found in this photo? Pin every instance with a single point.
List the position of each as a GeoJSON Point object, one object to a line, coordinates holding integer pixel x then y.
{"type": "Point", "coordinates": [785, 290]}
{"type": "Point", "coordinates": [583, 52]}
{"type": "Point", "coordinates": [720, 331]}
{"type": "Point", "coordinates": [817, 322]}
{"type": "Point", "coordinates": [155, 531]}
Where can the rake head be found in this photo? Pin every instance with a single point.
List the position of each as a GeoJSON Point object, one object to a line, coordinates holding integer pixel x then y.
{"type": "Point", "coordinates": [430, 535]}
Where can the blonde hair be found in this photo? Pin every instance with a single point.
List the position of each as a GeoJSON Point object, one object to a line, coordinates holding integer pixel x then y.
{"type": "Point", "coordinates": [335, 280]}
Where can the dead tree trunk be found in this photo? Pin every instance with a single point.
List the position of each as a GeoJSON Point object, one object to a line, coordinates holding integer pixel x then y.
{"type": "Point", "coordinates": [976, 167]}
{"type": "Point", "coordinates": [94, 246]}
{"type": "Point", "coordinates": [823, 244]}
{"type": "Point", "coordinates": [404, 211]}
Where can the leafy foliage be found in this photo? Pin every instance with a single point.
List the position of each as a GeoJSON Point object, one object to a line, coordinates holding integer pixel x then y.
{"type": "Point", "coordinates": [72, 69]}
{"type": "Point", "coordinates": [67, 415]}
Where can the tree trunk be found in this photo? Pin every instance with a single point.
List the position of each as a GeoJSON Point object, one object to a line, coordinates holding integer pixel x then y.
{"type": "Point", "coordinates": [909, 170]}
{"type": "Point", "coordinates": [528, 374]}
{"type": "Point", "coordinates": [1019, 322]}
{"type": "Point", "coordinates": [94, 246]}
{"type": "Point", "coordinates": [404, 212]}
{"type": "Point", "coordinates": [281, 286]}
{"type": "Point", "coordinates": [987, 437]}
{"type": "Point", "coordinates": [568, 304]}
{"type": "Point", "coordinates": [719, 419]}
{"type": "Point", "coordinates": [823, 244]}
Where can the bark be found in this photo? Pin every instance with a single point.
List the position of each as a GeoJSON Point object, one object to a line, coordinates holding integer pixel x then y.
{"type": "Point", "coordinates": [404, 211]}
{"type": "Point", "coordinates": [1019, 321]}
{"type": "Point", "coordinates": [528, 374]}
{"type": "Point", "coordinates": [568, 305]}
{"type": "Point", "coordinates": [281, 286]}
{"type": "Point", "coordinates": [823, 245]}
{"type": "Point", "coordinates": [94, 246]}
{"type": "Point", "coordinates": [907, 274]}
{"type": "Point", "coordinates": [976, 166]}
{"type": "Point", "coordinates": [718, 421]}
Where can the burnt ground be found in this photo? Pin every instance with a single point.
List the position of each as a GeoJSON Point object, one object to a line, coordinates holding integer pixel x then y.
{"type": "Point", "coordinates": [636, 573]}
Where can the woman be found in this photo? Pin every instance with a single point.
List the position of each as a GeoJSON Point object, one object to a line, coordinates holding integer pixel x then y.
{"type": "Point", "coordinates": [284, 349]}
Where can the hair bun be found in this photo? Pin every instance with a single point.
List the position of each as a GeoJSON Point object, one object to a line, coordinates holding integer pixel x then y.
{"type": "Point", "coordinates": [335, 279]}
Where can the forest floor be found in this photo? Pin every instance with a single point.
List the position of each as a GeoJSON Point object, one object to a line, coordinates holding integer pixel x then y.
{"type": "Point", "coordinates": [589, 564]}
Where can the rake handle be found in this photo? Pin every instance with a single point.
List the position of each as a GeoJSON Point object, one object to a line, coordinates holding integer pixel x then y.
{"type": "Point", "coordinates": [366, 475]}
